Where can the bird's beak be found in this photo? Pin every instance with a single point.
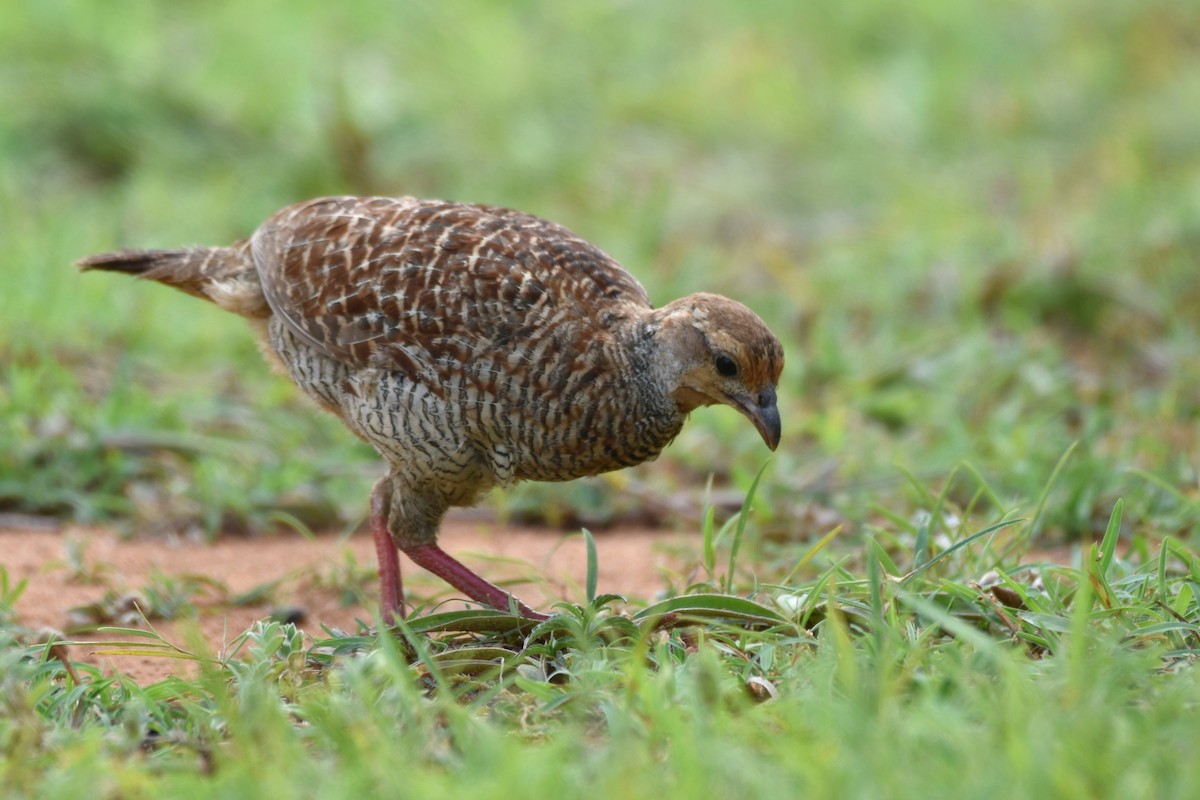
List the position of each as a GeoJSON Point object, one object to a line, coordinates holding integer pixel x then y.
{"type": "Point", "coordinates": [761, 410]}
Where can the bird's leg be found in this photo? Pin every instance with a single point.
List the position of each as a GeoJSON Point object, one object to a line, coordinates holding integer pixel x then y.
{"type": "Point", "coordinates": [453, 572]}
{"type": "Point", "coordinates": [391, 591]}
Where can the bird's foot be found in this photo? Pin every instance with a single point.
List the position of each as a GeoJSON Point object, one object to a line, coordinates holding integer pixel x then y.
{"type": "Point", "coordinates": [453, 572]}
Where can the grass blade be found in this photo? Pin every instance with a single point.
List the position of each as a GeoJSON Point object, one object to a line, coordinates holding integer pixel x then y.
{"type": "Point", "coordinates": [593, 565]}
{"type": "Point", "coordinates": [1045, 496]}
{"type": "Point", "coordinates": [710, 607]}
{"type": "Point", "coordinates": [710, 546]}
{"type": "Point", "coordinates": [910, 577]}
{"type": "Point", "coordinates": [1108, 545]}
{"type": "Point", "coordinates": [740, 530]}
{"type": "Point", "coordinates": [811, 554]}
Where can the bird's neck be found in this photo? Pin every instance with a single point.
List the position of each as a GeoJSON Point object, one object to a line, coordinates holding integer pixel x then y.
{"type": "Point", "coordinates": [672, 342]}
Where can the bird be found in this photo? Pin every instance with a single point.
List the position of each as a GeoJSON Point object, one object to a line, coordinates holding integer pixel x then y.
{"type": "Point", "coordinates": [473, 346]}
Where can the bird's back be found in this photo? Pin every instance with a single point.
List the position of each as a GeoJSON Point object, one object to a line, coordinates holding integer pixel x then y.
{"type": "Point", "coordinates": [378, 281]}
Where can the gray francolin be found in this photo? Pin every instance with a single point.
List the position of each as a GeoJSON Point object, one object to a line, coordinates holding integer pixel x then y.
{"type": "Point", "coordinates": [473, 347]}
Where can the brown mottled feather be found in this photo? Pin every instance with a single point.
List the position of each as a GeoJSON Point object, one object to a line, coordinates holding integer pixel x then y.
{"type": "Point", "coordinates": [411, 276]}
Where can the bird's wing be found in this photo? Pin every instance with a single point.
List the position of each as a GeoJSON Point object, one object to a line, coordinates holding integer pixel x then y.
{"type": "Point", "coordinates": [418, 286]}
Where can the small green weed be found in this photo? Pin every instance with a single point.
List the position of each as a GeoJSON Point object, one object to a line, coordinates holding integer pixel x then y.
{"type": "Point", "coordinates": [164, 597]}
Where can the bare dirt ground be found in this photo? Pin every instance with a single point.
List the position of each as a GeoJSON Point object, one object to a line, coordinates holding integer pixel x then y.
{"type": "Point", "coordinates": [546, 567]}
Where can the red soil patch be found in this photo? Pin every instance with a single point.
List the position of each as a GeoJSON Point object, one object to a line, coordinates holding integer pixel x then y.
{"type": "Point", "coordinates": [549, 567]}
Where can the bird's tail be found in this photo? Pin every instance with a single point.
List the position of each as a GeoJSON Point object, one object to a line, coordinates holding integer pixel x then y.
{"type": "Point", "coordinates": [223, 275]}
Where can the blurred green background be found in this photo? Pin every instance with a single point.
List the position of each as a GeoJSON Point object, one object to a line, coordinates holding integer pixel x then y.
{"type": "Point", "coordinates": [974, 225]}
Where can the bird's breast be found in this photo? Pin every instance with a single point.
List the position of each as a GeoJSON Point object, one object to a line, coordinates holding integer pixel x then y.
{"type": "Point", "coordinates": [493, 418]}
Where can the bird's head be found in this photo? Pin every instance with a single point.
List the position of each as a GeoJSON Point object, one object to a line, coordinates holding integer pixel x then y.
{"type": "Point", "coordinates": [719, 351]}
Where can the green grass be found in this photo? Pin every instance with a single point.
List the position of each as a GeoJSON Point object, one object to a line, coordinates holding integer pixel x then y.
{"type": "Point", "coordinates": [975, 227]}
{"type": "Point", "coordinates": [1079, 681]}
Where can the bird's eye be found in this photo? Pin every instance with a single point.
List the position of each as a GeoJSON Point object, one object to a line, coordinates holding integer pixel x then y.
{"type": "Point", "coordinates": [726, 366]}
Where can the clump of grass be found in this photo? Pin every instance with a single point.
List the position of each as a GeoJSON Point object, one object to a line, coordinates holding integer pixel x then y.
{"type": "Point", "coordinates": [10, 592]}
{"type": "Point", "coordinates": [164, 597]}
{"type": "Point", "coordinates": [99, 447]}
{"type": "Point", "coordinates": [79, 568]}
{"type": "Point", "coordinates": [347, 578]}
{"type": "Point", "coordinates": [884, 680]}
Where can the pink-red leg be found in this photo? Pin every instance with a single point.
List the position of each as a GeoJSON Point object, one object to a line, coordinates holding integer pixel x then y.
{"type": "Point", "coordinates": [391, 590]}
{"type": "Point", "coordinates": [453, 572]}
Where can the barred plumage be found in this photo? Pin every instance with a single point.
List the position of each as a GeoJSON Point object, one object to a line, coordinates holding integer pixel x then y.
{"type": "Point", "coordinates": [473, 346]}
